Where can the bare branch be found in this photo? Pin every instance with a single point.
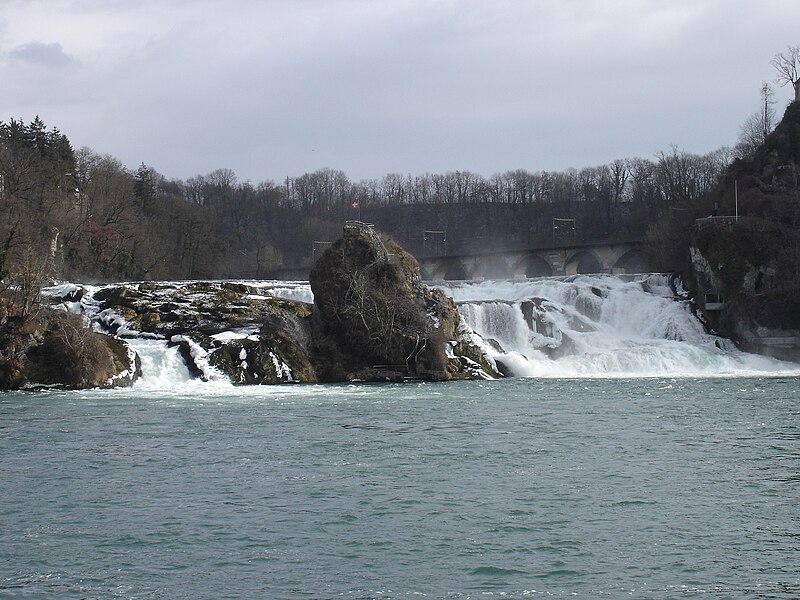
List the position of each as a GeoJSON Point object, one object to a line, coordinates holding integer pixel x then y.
{"type": "Point", "coordinates": [787, 64]}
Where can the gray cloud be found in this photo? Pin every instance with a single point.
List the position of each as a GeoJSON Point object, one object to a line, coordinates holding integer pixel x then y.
{"type": "Point", "coordinates": [281, 87]}
{"type": "Point", "coordinates": [49, 55]}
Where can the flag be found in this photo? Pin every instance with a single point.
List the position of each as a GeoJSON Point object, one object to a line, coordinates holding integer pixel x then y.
{"type": "Point", "coordinates": [354, 204]}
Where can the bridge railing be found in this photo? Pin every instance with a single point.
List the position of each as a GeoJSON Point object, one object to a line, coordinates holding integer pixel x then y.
{"type": "Point", "coordinates": [727, 221]}
{"type": "Point", "coordinates": [457, 252]}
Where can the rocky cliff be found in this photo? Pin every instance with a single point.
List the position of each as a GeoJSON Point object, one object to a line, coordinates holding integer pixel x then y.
{"type": "Point", "coordinates": [745, 266]}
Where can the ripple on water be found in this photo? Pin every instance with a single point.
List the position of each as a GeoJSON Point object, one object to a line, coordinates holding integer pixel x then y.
{"type": "Point", "coordinates": [514, 489]}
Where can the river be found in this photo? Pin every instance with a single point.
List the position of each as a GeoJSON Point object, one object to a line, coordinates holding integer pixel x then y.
{"type": "Point", "coordinates": [658, 485]}
{"type": "Point", "coordinates": [661, 488]}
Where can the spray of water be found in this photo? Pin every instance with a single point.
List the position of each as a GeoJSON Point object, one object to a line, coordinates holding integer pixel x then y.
{"type": "Point", "coordinates": [599, 326]}
{"type": "Point", "coordinates": [162, 366]}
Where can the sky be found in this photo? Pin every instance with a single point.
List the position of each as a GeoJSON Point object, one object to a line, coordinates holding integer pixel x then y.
{"type": "Point", "coordinates": [278, 88]}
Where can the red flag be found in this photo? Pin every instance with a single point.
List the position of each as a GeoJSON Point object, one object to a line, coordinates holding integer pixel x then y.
{"type": "Point", "coordinates": [354, 204]}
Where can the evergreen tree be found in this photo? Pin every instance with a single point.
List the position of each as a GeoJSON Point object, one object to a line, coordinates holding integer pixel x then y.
{"type": "Point", "coordinates": [144, 187]}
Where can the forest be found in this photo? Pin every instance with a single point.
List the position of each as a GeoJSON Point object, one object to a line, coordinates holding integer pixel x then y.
{"type": "Point", "coordinates": [84, 216]}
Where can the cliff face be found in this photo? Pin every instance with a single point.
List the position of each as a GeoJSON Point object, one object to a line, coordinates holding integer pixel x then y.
{"type": "Point", "coordinates": [762, 321]}
{"type": "Point", "coordinates": [745, 271]}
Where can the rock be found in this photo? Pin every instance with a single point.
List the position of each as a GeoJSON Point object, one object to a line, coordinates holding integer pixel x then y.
{"type": "Point", "coordinates": [220, 328]}
{"type": "Point", "coordinates": [277, 352]}
{"type": "Point", "coordinates": [766, 321]}
{"type": "Point", "coordinates": [58, 348]}
{"type": "Point", "coordinates": [374, 319]}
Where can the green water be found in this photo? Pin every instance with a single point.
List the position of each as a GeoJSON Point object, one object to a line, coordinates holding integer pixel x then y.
{"type": "Point", "coordinates": [608, 488]}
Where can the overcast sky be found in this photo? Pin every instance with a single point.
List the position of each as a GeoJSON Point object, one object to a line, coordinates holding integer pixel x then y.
{"type": "Point", "coordinates": [282, 87]}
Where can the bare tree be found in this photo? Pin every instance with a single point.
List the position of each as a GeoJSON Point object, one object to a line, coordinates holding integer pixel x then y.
{"type": "Point", "coordinates": [758, 126]}
{"type": "Point", "coordinates": [787, 64]}
{"type": "Point", "coordinates": [767, 110]}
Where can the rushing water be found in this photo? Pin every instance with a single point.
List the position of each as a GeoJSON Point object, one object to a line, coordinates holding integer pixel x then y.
{"type": "Point", "coordinates": [644, 458]}
{"type": "Point", "coordinates": [645, 488]}
{"type": "Point", "coordinates": [599, 326]}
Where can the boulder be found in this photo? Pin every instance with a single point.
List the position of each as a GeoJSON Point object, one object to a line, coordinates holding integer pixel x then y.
{"type": "Point", "coordinates": [60, 349]}
{"type": "Point", "coordinates": [374, 319]}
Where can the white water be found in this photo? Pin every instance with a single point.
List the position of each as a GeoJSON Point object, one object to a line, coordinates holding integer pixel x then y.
{"type": "Point", "coordinates": [599, 326]}
{"type": "Point", "coordinates": [580, 326]}
{"type": "Point", "coordinates": [162, 367]}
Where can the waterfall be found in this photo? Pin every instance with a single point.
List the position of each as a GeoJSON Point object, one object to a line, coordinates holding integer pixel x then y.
{"type": "Point", "coordinates": [598, 326]}
{"type": "Point", "coordinates": [577, 326]}
{"type": "Point", "coordinates": [162, 366]}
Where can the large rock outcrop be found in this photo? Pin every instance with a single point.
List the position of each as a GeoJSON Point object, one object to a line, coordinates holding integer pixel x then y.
{"type": "Point", "coordinates": [739, 299]}
{"type": "Point", "coordinates": [374, 318]}
{"type": "Point", "coordinates": [221, 328]}
{"type": "Point", "coordinates": [55, 348]}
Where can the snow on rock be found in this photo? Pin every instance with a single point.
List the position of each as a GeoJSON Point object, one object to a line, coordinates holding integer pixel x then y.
{"type": "Point", "coordinates": [130, 374]}
{"type": "Point", "coordinates": [282, 370]}
{"type": "Point", "coordinates": [200, 356]}
{"type": "Point", "coordinates": [112, 321]}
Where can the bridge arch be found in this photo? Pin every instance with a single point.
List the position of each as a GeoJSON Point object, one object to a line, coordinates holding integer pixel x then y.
{"type": "Point", "coordinates": [632, 261]}
{"type": "Point", "coordinates": [532, 265]}
{"type": "Point", "coordinates": [582, 262]}
{"type": "Point", "coordinates": [454, 269]}
{"type": "Point", "coordinates": [444, 269]}
{"type": "Point", "coordinates": [493, 267]}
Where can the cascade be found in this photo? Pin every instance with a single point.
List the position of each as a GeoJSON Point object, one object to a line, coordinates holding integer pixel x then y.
{"type": "Point", "coordinates": [598, 326]}
{"type": "Point", "coordinates": [162, 366]}
{"type": "Point", "coordinates": [576, 326]}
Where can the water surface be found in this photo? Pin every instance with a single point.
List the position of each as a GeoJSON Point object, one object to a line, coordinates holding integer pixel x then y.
{"type": "Point", "coordinates": [645, 488]}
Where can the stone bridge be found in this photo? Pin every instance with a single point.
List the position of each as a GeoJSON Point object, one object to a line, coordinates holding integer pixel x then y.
{"type": "Point", "coordinates": [616, 258]}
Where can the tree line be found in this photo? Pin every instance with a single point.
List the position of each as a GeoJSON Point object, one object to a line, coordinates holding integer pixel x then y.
{"type": "Point", "coordinates": [83, 215]}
